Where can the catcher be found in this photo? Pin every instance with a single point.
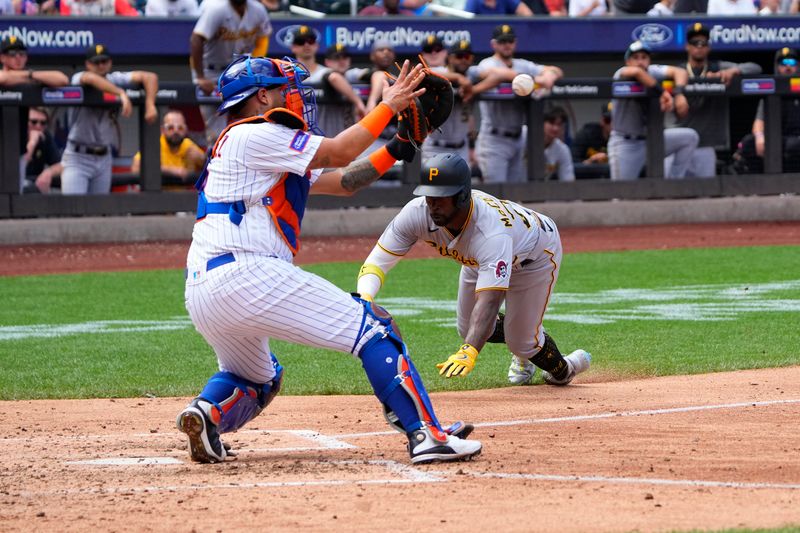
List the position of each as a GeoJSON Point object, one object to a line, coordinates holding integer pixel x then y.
{"type": "Point", "coordinates": [507, 253]}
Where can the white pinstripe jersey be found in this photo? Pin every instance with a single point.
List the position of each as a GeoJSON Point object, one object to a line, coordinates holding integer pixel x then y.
{"type": "Point", "coordinates": [496, 237]}
{"type": "Point", "coordinates": [250, 160]}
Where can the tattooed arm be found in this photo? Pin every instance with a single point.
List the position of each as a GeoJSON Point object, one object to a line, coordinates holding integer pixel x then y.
{"type": "Point", "coordinates": [346, 181]}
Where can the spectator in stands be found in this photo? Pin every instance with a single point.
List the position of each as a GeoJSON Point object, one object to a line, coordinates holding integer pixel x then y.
{"type": "Point", "coordinates": [31, 7]}
{"type": "Point", "coordinates": [538, 7]}
{"type": "Point", "coordinates": [749, 156]}
{"type": "Point", "coordinates": [387, 8]}
{"type": "Point", "coordinates": [343, 107]}
{"type": "Point", "coordinates": [93, 130]}
{"type": "Point", "coordinates": [6, 7]}
{"type": "Point", "coordinates": [690, 6]}
{"type": "Point", "coordinates": [225, 30]}
{"type": "Point", "coordinates": [382, 58]}
{"type": "Point", "coordinates": [590, 146]}
{"type": "Point", "coordinates": [588, 8]}
{"type": "Point", "coordinates": [171, 8]}
{"type": "Point", "coordinates": [770, 7]}
{"type": "Point", "coordinates": [97, 8]}
{"type": "Point", "coordinates": [181, 158]}
{"type": "Point", "coordinates": [498, 7]}
{"type": "Point", "coordinates": [14, 58]}
{"type": "Point", "coordinates": [632, 7]}
{"type": "Point", "coordinates": [434, 52]}
{"type": "Point", "coordinates": [731, 7]}
{"type": "Point", "coordinates": [664, 8]}
{"type": "Point", "coordinates": [558, 160]}
{"type": "Point", "coordinates": [627, 145]}
{"type": "Point", "coordinates": [42, 158]}
{"type": "Point", "coordinates": [557, 8]}
{"type": "Point", "coordinates": [500, 144]}
{"type": "Point", "coordinates": [708, 115]}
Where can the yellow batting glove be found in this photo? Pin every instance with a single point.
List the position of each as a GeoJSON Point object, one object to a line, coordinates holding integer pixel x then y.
{"type": "Point", "coordinates": [460, 363]}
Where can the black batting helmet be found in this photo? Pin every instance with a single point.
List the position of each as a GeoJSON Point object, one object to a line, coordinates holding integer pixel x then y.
{"type": "Point", "coordinates": [444, 175]}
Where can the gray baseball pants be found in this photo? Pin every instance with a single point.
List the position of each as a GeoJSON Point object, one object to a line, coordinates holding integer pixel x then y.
{"type": "Point", "coordinates": [627, 157]}
{"type": "Point", "coordinates": [85, 174]}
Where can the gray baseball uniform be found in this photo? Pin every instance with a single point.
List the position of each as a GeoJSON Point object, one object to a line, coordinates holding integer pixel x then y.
{"type": "Point", "coordinates": [503, 246]}
{"type": "Point", "coordinates": [228, 36]}
{"type": "Point", "coordinates": [558, 161]}
{"type": "Point", "coordinates": [709, 117]}
{"type": "Point", "coordinates": [500, 142]}
{"type": "Point", "coordinates": [627, 145]}
{"type": "Point", "coordinates": [336, 114]}
{"type": "Point", "coordinates": [93, 133]}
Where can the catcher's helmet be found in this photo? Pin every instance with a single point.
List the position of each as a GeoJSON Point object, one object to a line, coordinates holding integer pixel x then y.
{"type": "Point", "coordinates": [444, 175]}
{"type": "Point", "coordinates": [244, 77]}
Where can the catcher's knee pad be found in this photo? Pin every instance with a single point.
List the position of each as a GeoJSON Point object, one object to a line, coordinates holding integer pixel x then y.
{"type": "Point", "coordinates": [236, 400]}
{"type": "Point", "coordinates": [397, 384]}
{"type": "Point", "coordinates": [548, 358]}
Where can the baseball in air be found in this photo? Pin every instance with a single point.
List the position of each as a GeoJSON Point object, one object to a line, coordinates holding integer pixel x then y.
{"type": "Point", "coordinates": [522, 85]}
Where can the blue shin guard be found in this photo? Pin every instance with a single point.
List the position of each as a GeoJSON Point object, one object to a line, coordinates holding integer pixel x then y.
{"type": "Point", "coordinates": [236, 400]}
{"type": "Point", "coordinates": [397, 383]}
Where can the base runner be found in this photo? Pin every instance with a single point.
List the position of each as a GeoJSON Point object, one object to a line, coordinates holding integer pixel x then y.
{"type": "Point", "coordinates": [507, 252]}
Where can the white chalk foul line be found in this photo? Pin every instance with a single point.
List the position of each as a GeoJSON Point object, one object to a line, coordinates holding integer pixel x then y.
{"type": "Point", "coordinates": [128, 461]}
{"type": "Point", "coordinates": [645, 412]}
{"type": "Point", "coordinates": [334, 441]}
{"type": "Point", "coordinates": [632, 480]}
{"type": "Point", "coordinates": [599, 416]}
{"type": "Point", "coordinates": [407, 474]}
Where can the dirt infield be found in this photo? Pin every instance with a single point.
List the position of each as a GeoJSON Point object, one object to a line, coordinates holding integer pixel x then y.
{"type": "Point", "coordinates": [674, 453]}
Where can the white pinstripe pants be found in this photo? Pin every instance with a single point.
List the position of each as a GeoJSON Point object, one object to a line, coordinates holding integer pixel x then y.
{"type": "Point", "coordinates": [238, 307]}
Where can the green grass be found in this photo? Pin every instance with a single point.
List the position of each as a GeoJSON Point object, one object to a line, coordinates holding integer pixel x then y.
{"type": "Point", "coordinates": [630, 342]}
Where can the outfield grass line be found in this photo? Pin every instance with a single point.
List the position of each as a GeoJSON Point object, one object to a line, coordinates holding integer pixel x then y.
{"type": "Point", "coordinates": [633, 480]}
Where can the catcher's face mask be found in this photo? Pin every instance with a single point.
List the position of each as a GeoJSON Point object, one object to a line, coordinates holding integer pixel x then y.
{"type": "Point", "coordinates": [300, 98]}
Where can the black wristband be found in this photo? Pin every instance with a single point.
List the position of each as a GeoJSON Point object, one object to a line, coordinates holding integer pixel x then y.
{"type": "Point", "coordinates": [657, 89]}
{"type": "Point", "coordinates": [678, 89]}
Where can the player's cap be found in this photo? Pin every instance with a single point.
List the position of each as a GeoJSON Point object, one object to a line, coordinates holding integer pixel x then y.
{"type": "Point", "coordinates": [461, 47]}
{"type": "Point", "coordinates": [504, 33]}
{"type": "Point", "coordinates": [97, 52]}
{"type": "Point", "coordinates": [443, 175]}
{"type": "Point", "coordinates": [336, 51]}
{"type": "Point", "coordinates": [605, 109]}
{"type": "Point", "coordinates": [637, 46]}
{"type": "Point", "coordinates": [380, 44]}
{"type": "Point", "coordinates": [303, 35]}
{"type": "Point", "coordinates": [697, 29]}
{"type": "Point", "coordinates": [12, 42]}
{"type": "Point", "coordinates": [786, 56]}
{"type": "Point", "coordinates": [432, 44]}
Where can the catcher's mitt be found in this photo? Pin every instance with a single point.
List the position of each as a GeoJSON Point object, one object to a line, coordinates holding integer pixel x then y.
{"type": "Point", "coordinates": [428, 111]}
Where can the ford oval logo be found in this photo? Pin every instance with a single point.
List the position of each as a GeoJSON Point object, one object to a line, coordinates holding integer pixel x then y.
{"type": "Point", "coordinates": [285, 35]}
{"type": "Point", "coordinates": [654, 35]}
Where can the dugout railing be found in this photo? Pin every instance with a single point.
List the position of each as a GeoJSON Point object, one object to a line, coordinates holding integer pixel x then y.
{"type": "Point", "coordinates": [152, 200]}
